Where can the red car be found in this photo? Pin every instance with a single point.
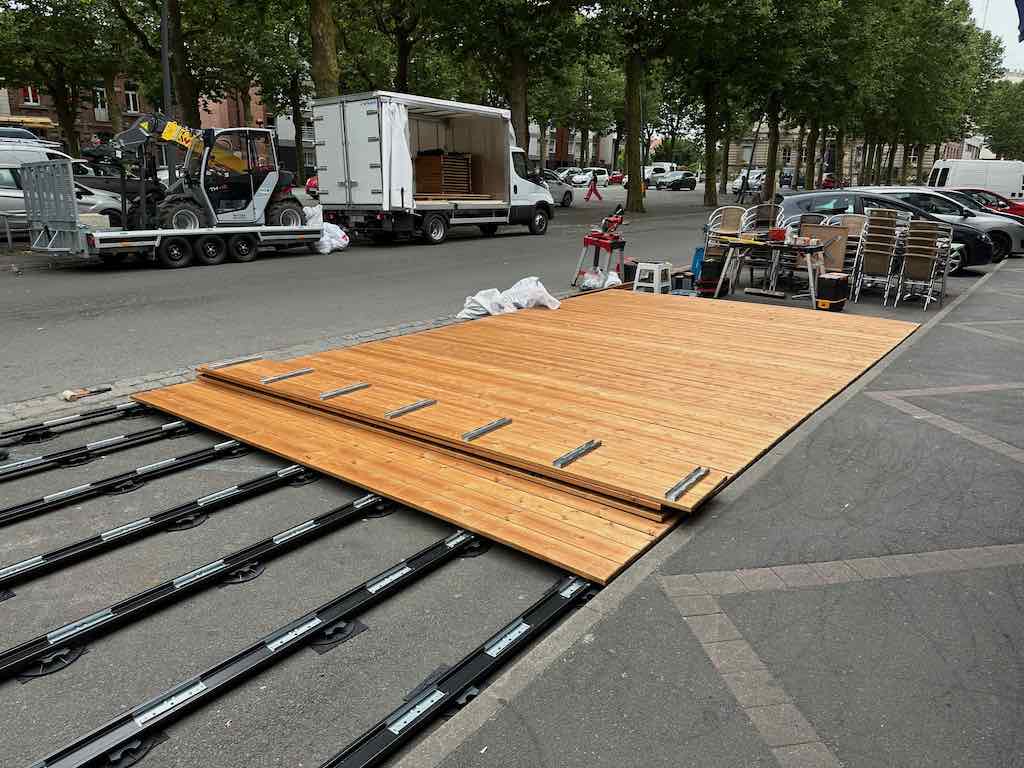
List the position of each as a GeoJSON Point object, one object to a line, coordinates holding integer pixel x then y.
{"type": "Point", "coordinates": [616, 177]}
{"type": "Point", "coordinates": [313, 187]}
{"type": "Point", "coordinates": [992, 201]}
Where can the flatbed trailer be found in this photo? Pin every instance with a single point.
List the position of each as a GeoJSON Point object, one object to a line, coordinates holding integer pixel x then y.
{"type": "Point", "coordinates": [55, 227]}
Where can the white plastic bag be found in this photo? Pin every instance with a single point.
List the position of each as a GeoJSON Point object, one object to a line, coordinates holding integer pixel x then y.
{"type": "Point", "coordinates": [612, 280]}
{"type": "Point", "coordinates": [528, 292]}
{"type": "Point", "coordinates": [332, 237]}
{"type": "Point", "coordinates": [593, 279]}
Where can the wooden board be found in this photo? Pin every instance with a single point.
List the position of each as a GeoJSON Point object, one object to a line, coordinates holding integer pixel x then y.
{"type": "Point", "coordinates": [666, 383]}
{"type": "Point", "coordinates": [586, 537]}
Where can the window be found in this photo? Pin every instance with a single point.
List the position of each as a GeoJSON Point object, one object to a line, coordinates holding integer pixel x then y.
{"type": "Point", "coordinates": [747, 152]}
{"type": "Point", "coordinates": [933, 177]}
{"type": "Point", "coordinates": [131, 97]}
{"type": "Point", "coordinates": [30, 95]}
{"type": "Point", "coordinates": [830, 204]}
{"type": "Point", "coordinates": [519, 162]}
{"type": "Point", "coordinates": [309, 158]}
{"type": "Point", "coordinates": [7, 179]}
{"type": "Point", "coordinates": [99, 99]}
{"type": "Point", "coordinates": [943, 175]}
{"type": "Point", "coordinates": [787, 155]}
{"type": "Point", "coordinates": [229, 182]}
{"type": "Point", "coordinates": [931, 203]}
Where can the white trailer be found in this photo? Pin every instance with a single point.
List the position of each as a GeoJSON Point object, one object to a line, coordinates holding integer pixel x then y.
{"type": "Point", "coordinates": [367, 145]}
{"type": "Point", "coordinates": [55, 227]}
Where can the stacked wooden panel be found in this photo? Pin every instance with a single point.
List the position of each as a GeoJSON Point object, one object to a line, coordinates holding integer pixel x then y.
{"type": "Point", "coordinates": [667, 388]}
{"type": "Point", "coordinates": [444, 175]}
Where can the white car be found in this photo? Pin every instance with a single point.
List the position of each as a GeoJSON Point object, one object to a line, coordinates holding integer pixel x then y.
{"type": "Point", "coordinates": [756, 179]}
{"type": "Point", "coordinates": [561, 192]}
{"type": "Point", "coordinates": [566, 174]}
{"type": "Point", "coordinates": [657, 171]}
{"type": "Point", "coordinates": [12, 199]}
{"type": "Point", "coordinates": [582, 178]}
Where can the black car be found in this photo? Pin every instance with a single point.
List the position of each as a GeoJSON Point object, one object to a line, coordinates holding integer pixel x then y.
{"type": "Point", "coordinates": [677, 180]}
{"type": "Point", "coordinates": [977, 245]}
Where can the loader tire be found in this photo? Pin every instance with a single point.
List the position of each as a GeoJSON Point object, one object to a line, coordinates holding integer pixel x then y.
{"type": "Point", "coordinates": [285, 213]}
{"type": "Point", "coordinates": [182, 213]}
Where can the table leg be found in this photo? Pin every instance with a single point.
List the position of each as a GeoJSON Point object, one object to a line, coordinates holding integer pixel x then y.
{"type": "Point", "coordinates": [725, 271]}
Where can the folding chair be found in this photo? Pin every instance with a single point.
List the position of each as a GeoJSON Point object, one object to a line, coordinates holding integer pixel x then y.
{"type": "Point", "coordinates": [757, 220]}
{"type": "Point", "coordinates": [854, 223]}
{"type": "Point", "coordinates": [923, 263]}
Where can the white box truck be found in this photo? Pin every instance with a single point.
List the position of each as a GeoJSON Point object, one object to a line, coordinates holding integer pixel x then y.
{"type": "Point", "coordinates": [368, 146]}
{"type": "Point", "coordinates": [1004, 177]}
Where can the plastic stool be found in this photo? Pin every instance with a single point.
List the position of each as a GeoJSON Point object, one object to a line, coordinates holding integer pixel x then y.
{"type": "Point", "coordinates": [653, 277]}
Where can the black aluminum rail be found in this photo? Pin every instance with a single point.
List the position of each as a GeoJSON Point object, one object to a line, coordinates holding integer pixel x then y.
{"type": "Point", "coordinates": [44, 430]}
{"type": "Point", "coordinates": [83, 453]}
{"type": "Point", "coordinates": [37, 565]}
{"type": "Point", "coordinates": [123, 482]}
{"type": "Point", "coordinates": [451, 688]}
{"type": "Point", "coordinates": [39, 652]}
{"type": "Point", "coordinates": [132, 730]}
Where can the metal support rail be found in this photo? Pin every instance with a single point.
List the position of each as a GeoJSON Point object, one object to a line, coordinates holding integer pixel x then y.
{"type": "Point", "coordinates": [43, 430]}
{"type": "Point", "coordinates": [36, 650]}
{"type": "Point", "coordinates": [126, 481]}
{"type": "Point", "coordinates": [144, 526]}
{"type": "Point", "coordinates": [89, 451]}
{"type": "Point", "coordinates": [389, 734]}
{"type": "Point", "coordinates": [138, 724]}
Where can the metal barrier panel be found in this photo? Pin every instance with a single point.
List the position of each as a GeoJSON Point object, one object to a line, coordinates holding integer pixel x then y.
{"type": "Point", "coordinates": [51, 207]}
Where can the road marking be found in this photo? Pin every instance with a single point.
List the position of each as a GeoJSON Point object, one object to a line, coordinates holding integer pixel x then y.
{"type": "Point", "coordinates": [983, 332]}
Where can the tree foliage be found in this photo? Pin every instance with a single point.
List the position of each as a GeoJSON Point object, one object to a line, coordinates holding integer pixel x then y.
{"type": "Point", "coordinates": [1001, 120]}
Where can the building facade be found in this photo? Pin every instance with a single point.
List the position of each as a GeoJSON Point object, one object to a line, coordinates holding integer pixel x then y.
{"type": "Point", "coordinates": [789, 144]}
{"type": "Point", "coordinates": [28, 106]}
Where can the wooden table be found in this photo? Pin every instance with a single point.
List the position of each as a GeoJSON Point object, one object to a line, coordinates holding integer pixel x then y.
{"type": "Point", "coordinates": [734, 259]}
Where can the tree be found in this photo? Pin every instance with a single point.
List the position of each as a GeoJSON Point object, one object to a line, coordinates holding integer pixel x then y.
{"type": "Point", "coordinates": [324, 53]}
{"type": "Point", "coordinates": [1001, 120]}
{"type": "Point", "coordinates": [43, 43]}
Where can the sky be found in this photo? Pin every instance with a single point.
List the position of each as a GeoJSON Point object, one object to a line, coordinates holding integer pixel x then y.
{"type": "Point", "coordinates": [1000, 17]}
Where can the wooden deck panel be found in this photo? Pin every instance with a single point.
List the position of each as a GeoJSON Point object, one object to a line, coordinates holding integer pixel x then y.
{"type": "Point", "coordinates": [584, 536]}
{"type": "Point", "coordinates": [666, 383]}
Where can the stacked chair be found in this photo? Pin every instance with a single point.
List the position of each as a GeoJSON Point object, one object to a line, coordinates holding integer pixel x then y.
{"type": "Point", "coordinates": [876, 252]}
{"type": "Point", "coordinates": [925, 261]}
{"type": "Point", "coordinates": [854, 223]}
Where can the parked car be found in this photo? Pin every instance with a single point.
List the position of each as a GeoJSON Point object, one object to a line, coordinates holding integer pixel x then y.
{"type": "Point", "coordinates": [993, 201]}
{"type": "Point", "coordinates": [561, 192]}
{"type": "Point", "coordinates": [657, 172]}
{"type": "Point", "coordinates": [977, 244]}
{"type": "Point", "coordinates": [566, 174]}
{"type": "Point", "coordinates": [12, 198]}
{"type": "Point", "coordinates": [756, 178]}
{"type": "Point", "coordinates": [313, 187]}
{"type": "Point", "coordinates": [677, 180]}
{"type": "Point", "coordinates": [14, 132]}
{"type": "Point", "coordinates": [582, 178]}
{"type": "Point", "coordinates": [1007, 234]}
{"type": "Point", "coordinates": [616, 177]}
{"type": "Point", "coordinates": [106, 177]}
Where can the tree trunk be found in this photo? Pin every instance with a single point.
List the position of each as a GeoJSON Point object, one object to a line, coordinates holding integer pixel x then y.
{"type": "Point", "coordinates": [920, 163]}
{"type": "Point", "coordinates": [712, 127]}
{"type": "Point", "coordinates": [113, 104]}
{"type": "Point", "coordinates": [891, 161]}
{"type": "Point", "coordinates": [635, 67]}
{"type": "Point", "coordinates": [811, 151]}
{"type": "Point", "coordinates": [821, 159]}
{"type": "Point", "coordinates": [295, 101]}
{"type": "Point", "coordinates": [876, 173]}
{"type": "Point", "coordinates": [516, 84]}
{"type": "Point", "coordinates": [797, 164]}
{"type": "Point", "coordinates": [771, 166]}
{"type": "Point", "coordinates": [245, 97]}
{"type": "Point", "coordinates": [903, 163]}
{"type": "Point", "coordinates": [840, 159]}
{"type": "Point", "coordinates": [403, 46]}
{"type": "Point", "coordinates": [323, 36]}
{"type": "Point", "coordinates": [542, 144]}
{"type": "Point", "coordinates": [866, 158]}
{"type": "Point", "coordinates": [584, 147]}
{"type": "Point", "coordinates": [65, 101]}
{"type": "Point", "coordinates": [186, 87]}
{"type": "Point", "coordinates": [723, 182]}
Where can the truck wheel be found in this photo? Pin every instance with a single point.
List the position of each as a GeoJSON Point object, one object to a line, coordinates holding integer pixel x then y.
{"type": "Point", "coordinates": [174, 253]}
{"type": "Point", "coordinates": [539, 222]}
{"type": "Point", "coordinates": [210, 250]}
{"type": "Point", "coordinates": [435, 229]}
{"type": "Point", "coordinates": [182, 213]}
{"type": "Point", "coordinates": [285, 213]}
{"type": "Point", "coordinates": [489, 229]}
{"type": "Point", "coordinates": [242, 248]}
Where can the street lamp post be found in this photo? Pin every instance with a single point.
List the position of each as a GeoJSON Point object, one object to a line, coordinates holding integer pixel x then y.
{"type": "Point", "coordinates": [165, 64]}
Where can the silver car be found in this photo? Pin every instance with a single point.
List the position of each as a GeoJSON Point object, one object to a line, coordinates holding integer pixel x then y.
{"type": "Point", "coordinates": [12, 200]}
{"type": "Point", "coordinates": [1007, 233]}
{"type": "Point", "coordinates": [561, 192]}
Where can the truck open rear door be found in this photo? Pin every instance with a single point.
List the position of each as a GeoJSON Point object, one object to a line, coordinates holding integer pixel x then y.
{"type": "Point", "coordinates": [351, 176]}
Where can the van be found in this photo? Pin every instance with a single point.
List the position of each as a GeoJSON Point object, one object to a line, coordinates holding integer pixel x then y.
{"type": "Point", "coordinates": [1005, 177]}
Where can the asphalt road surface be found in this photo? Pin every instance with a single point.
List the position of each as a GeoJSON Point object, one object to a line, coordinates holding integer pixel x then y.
{"type": "Point", "coordinates": [89, 325]}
